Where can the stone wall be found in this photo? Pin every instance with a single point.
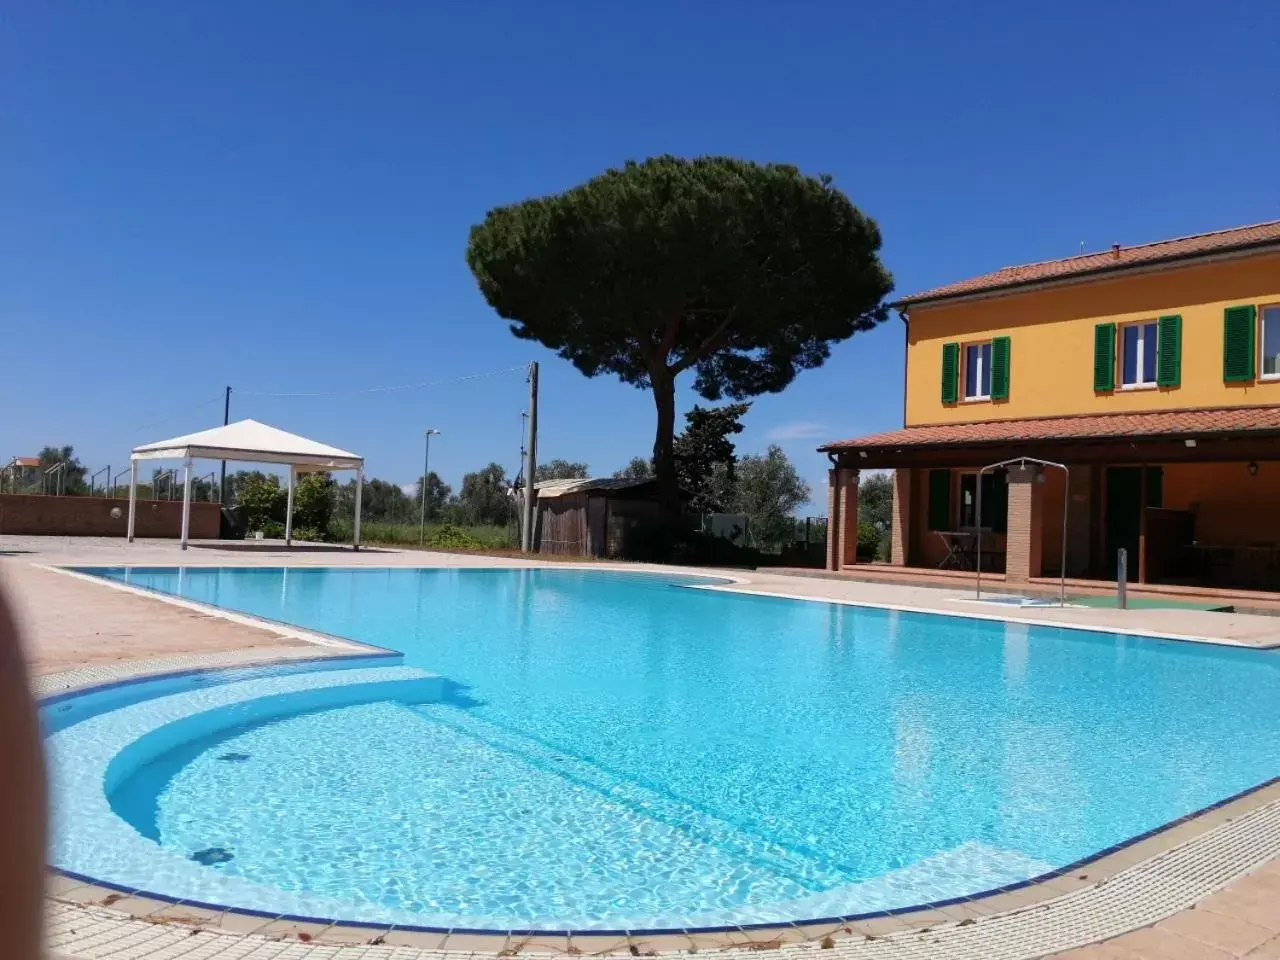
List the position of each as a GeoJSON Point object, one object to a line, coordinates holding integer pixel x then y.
{"type": "Point", "coordinates": [92, 517]}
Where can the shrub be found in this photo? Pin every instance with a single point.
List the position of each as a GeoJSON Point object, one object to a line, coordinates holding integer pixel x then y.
{"type": "Point", "coordinates": [263, 502]}
{"type": "Point", "coordinates": [272, 529]}
{"type": "Point", "coordinates": [313, 502]}
{"type": "Point", "coordinates": [703, 549]}
{"type": "Point", "coordinates": [449, 537]}
{"type": "Point", "coordinates": [868, 541]}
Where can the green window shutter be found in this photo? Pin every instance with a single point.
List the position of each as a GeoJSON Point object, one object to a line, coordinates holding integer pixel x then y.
{"type": "Point", "coordinates": [1104, 357]}
{"type": "Point", "coordinates": [1238, 331]}
{"type": "Point", "coordinates": [950, 372]}
{"type": "Point", "coordinates": [1000, 368]}
{"type": "Point", "coordinates": [939, 499]}
{"type": "Point", "coordinates": [1169, 351]}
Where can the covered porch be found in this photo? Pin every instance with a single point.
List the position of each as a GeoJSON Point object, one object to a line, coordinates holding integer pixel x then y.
{"type": "Point", "coordinates": [1193, 497]}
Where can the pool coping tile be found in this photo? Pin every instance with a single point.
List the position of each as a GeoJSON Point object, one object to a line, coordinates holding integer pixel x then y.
{"type": "Point", "coordinates": [189, 915]}
{"type": "Point", "coordinates": [283, 929]}
{"type": "Point", "coordinates": [350, 934]}
{"type": "Point", "coordinates": [454, 942]}
{"type": "Point", "coordinates": [136, 905]}
{"type": "Point", "coordinates": [598, 944]}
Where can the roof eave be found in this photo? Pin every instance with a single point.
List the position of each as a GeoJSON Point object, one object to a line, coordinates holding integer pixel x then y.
{"type": "Point", "coordinates": [904, 305]}
{"type": "Point", "coordinates": [943, 447]}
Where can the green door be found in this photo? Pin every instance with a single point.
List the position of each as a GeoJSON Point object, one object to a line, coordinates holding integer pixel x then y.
{"type": "Point", "coordinates": [1124, 500]}
{"type": "Point", "coordinates": [1124, 513]}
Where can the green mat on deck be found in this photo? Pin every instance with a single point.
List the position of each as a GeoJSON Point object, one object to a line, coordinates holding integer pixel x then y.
{"type": "Point", "coordinates": [1151, 603]}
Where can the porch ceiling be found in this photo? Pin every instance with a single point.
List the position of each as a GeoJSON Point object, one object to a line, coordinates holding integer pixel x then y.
{"type": "Point", "coordinates": [1211, 434]}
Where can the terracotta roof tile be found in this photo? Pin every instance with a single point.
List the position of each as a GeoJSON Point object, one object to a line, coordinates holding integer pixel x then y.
{"type": "Point", "coordinates": [1200, 244]}
{"type": "Point", "coordinates": [1163, 423]}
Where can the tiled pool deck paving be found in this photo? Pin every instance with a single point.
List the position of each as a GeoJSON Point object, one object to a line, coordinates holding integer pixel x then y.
{"type": "Point", "coordinates": [1209, 887]}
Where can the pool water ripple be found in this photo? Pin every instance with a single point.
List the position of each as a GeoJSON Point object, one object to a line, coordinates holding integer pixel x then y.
{"type": "Point", "coordinates": [619, 750]}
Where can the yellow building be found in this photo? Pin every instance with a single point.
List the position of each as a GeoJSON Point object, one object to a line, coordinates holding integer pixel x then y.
{"type": "Point", "coordinates": [1150, 373]}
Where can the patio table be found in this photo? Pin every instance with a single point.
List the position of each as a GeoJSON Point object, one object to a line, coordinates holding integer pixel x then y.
{"type": "Point", "coordinates": [961, 546]}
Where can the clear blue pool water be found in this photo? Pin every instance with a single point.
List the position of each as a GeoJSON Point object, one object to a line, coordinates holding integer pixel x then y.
{"type": "Point", "coordinates": [626, 751]}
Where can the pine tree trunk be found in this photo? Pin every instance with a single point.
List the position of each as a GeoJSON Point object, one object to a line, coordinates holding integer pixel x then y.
{"type": "Point", "coordinates": [664, 463]}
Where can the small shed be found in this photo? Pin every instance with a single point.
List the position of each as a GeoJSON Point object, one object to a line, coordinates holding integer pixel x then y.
{"type": "Point", "coordinates": [594, 518]}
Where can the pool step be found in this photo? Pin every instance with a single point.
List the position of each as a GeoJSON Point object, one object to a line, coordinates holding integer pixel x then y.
{"type": "Point", "coordinates": [801, 867]}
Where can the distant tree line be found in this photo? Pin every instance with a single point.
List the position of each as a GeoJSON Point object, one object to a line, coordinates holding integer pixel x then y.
{"type": "Point", "coordinates": [766, 488]}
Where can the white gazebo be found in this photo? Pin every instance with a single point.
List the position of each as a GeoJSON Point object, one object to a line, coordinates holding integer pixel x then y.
{"type": "Point", "coordinates": [250, 441]}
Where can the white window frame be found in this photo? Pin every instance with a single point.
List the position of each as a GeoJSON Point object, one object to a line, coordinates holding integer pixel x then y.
{"type": "Point", "coordinates": [964, 367]}
{"type": "Point", "coordinates": [1139, 384]}
{"type": "Point", "coordinates": [1261, 333]}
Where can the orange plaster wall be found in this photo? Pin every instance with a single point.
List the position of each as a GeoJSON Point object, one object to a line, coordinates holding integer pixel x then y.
{"type": "Point", "coordinates": [1232, 508]}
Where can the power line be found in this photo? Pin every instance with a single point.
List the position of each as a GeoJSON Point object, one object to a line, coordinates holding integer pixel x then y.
{"type": "Point", "coordinates": [385, 389]}
{"type": "Point", "coordinates": [180, 413]}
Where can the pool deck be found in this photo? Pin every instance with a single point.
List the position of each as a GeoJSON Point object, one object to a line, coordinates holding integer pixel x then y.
{"type": "Point", "coordinates": [1206, 888]}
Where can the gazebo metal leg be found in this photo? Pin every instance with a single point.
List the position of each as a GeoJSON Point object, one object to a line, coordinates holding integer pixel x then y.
{"type": "Point", "coordinates": [133, 497]}
{"type": "Point", "coordinates": [186, 501]}
{"type": "Point", "coordinates": [360, 489]}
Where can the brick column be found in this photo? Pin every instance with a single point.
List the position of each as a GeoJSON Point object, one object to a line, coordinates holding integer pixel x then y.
{"type": "Point", "coordinates": [848, 518]}
{"type": "Point", "coordinates": [833, 519]}
{"type": "Point", "coordinates": [1024, 541]}
{"type": "Point", "coordinates": [842, 518]}
{"type": "Point", "coordinates": [900, 523]}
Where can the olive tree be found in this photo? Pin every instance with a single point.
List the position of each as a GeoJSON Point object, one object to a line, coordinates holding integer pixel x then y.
{"type": "Point", "coordinates": [740, 273]}
{"type": "Point", "coordinates": [768, 492]}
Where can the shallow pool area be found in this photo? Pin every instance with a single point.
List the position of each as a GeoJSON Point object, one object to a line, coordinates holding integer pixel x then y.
{"type": "Point", "coordinates": [578, 749]}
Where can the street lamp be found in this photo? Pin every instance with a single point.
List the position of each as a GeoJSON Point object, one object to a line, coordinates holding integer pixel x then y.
{"type": "Point", "coordinates": [426, 460]}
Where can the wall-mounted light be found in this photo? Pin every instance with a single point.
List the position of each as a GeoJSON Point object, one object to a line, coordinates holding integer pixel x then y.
{"type": "Point", "coordinates": [1252, 468]}
{"type": "Point", "coordinates": [1189, 443]}
{"type": "Point", "coordinates": [862, 454]}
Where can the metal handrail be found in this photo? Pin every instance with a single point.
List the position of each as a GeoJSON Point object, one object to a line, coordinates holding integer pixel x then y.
{"type": "Point", "coordinates": [60, 468]}
{"type": "Point", "coordinates": [169, 475]}
{"type": "Point", "coordinates": [1066, 500]}
{"type": "Point", "coordinates": [93, 476]}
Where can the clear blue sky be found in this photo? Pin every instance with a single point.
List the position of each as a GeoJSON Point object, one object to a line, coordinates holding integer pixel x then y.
{"type": "Point", "coordinates": [277, 195]}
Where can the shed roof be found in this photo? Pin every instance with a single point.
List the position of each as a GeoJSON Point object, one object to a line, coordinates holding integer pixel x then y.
{"type": "Point", "coordinates": [252, 441]}
{"type": "Point", "coordinates": [1118, 258]}
{"type": "Point", "coordinates": [548, 489]}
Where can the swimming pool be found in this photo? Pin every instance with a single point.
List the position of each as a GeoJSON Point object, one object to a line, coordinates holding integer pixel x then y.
{"type": "Point", "coordinates": [570, 749]}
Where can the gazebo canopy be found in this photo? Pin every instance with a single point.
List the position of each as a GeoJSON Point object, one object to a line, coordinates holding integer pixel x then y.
{"type": "Point", "coordinates": [252, 441]}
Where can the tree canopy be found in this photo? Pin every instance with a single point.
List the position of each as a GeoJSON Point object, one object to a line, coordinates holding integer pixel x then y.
{"type": "Point", "coordinates": [261, 497]}
{"type": "Point", "coordinates": [437, 494]}
{"type": "Point", "coordinates": [313, 498]}
{"type": "Point", "coordinates": [560, 470]}
{"type": "Point", "coordinates": [703, 446]}
{"type": "Point", "coordinates": [73, 474]}
{"type": "Point", "coordinates": [743, 273]}
{"type": "Point", "coordinates": [875, 501]}
{"type": "Point", "coordinates": [485, 496]}
{"type": "Point", "coordinates": [638, 468]}
{"type": "Point", "coordinates": [768, 491]}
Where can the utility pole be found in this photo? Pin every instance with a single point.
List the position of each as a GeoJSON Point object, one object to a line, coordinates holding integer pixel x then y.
{"type": "Point", "coordinates": [530, 463]}
{"type": "Point", "coordinates": [226, 418]}
{"type": "Point", "coordinates": [426, 463]}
